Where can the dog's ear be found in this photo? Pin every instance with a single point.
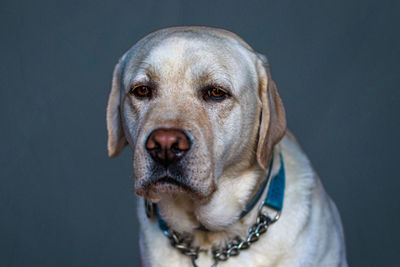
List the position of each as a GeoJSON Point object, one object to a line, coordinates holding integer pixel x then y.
{"type": "Point", "coordinates": [273, 119]}
{"type": "Point", "coordinates": [116, 136]}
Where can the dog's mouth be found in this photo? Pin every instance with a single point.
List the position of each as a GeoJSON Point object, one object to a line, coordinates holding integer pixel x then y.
{"type": "Point", "coordinates": [164, 184]}
{"type": "Point", "coordinates": [169, 181]}
{"type": "Point", "coordinates": [161, 182]}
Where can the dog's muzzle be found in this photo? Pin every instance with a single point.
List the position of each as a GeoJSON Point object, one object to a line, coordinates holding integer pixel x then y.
{"type": "Point", "coordinates": [171, 166]}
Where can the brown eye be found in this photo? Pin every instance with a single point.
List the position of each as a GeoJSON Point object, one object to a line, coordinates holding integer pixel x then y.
{"type": "Point", "coordinates": [141, 91]}
{"type": "Point", "coordinates": [216, 93]}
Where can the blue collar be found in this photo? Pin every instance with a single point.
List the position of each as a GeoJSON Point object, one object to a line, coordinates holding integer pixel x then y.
{"type": "Point", "coordinates": [276, 189]}
{"type": "Point", "coordinates": [274, 198]}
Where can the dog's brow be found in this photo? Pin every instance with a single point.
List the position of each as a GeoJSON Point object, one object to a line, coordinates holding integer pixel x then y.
{"type": "Point", "coordinates": [206, 78]}
{"type": "Point", "coordinates": [145, 72]}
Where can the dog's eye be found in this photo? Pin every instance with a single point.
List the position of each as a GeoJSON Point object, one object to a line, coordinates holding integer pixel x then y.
{"type": "Point", "coordinates": [216, 93]}
{"type": "Point", "coordinates": [141, 91]}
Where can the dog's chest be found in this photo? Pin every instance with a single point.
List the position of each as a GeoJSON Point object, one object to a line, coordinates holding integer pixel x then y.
{"type": "Point", "coordinates": [157, 251]}
{"type": "Point", "coordinates": [166, 255]}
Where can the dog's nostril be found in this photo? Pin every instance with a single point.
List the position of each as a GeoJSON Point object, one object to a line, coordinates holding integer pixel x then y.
{"type": "Point", "coordinates": [167, 145]}
{"type": "Point", "coordinates": [152, 144]}
{"type": "Point", "coordinates": [175, 148]}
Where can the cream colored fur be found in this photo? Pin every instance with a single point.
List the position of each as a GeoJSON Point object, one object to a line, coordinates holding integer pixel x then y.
{"type": "Point", "coordinates": [232, 147]}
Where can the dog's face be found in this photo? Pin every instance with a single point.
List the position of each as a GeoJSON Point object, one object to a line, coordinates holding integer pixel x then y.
{"type": "Point", "coordinates": [188, 100]}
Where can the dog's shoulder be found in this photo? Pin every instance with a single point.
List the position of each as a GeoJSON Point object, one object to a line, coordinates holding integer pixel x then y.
{"type": "Point", "coordinates": [309, 217]}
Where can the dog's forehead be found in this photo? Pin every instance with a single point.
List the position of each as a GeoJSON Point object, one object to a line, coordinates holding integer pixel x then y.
{"type": "Point", "coordinates": [192, 57]}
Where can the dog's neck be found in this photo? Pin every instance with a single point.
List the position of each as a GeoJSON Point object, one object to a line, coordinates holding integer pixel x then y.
{"type": "Point", "coordinates": [221, 214]}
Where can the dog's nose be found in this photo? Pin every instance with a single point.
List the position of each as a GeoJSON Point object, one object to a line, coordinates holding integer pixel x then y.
{"type": "Point", "coordinates": [167, 145]}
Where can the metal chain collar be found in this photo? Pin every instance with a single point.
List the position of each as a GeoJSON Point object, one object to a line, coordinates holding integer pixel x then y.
{"type": "Point", "coordinates": [233, 248]}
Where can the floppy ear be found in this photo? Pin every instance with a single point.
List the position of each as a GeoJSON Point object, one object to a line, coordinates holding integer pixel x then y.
{"type": "Point", "coordinates": [273, 119]}
{"type": "Point", "coordinates": [116, 136]}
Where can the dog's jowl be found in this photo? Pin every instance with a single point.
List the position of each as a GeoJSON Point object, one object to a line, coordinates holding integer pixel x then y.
{"type": "Point", "coordinates": [221, 180]}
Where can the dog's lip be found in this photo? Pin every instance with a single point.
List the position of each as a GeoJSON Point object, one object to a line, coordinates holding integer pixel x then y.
{"type": "Point", "coordinates": [151, 190]}
{"type": "Point", "coordinates": [165, 182]}
{"type": "Point", "coordinates": [168, 180]}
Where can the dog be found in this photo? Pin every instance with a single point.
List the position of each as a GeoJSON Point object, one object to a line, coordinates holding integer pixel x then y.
{"type": "Point", "coordinates": [221, 180]}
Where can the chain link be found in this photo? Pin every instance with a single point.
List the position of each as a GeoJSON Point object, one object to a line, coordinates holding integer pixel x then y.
{"type": "Point", "coordinates": [233, 248]}
{"type": "Point", "coordinates": [238, 244]}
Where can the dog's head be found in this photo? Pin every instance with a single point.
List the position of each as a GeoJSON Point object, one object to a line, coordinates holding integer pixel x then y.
{"type": "Point", "coordinates": [193, 103]}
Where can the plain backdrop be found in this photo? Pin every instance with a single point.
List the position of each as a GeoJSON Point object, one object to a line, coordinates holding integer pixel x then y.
{"type": "Point", "coordinates": [64, 203]}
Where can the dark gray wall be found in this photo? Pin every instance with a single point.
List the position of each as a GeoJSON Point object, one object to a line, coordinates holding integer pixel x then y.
{"type": "Point", "coordinates": [64, 203]}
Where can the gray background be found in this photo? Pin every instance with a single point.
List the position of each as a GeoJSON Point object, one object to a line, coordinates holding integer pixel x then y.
{"type": "Point", "coordinates": [64, 203]}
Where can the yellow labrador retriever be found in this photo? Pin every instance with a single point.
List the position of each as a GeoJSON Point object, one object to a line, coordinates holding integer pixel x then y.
{"type": "Point", "coordinates": [222, 181]}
